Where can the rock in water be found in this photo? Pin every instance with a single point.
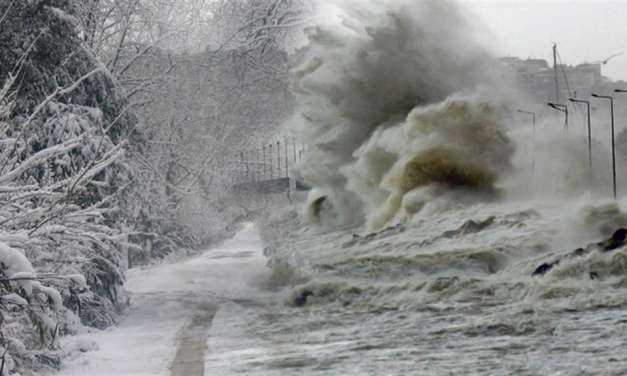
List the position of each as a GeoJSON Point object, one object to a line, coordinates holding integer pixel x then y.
{"type": "Point", "coordinates": [301, 299]}
{"type": "Point", "coordinates": [617, 240]}
{"type": "Point", "coordinates": [542, 269]}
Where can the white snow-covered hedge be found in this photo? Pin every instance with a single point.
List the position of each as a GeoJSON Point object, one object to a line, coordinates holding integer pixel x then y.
{"type": "Point", "coordinates": [62, 255]}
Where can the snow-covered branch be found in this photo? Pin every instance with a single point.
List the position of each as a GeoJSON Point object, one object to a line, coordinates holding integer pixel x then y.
{"type": "Point", "coordinates": [40, 158]}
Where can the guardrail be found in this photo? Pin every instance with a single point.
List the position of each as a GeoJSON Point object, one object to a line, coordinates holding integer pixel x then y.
{"type": "Point", "coordinates": [266, 169]}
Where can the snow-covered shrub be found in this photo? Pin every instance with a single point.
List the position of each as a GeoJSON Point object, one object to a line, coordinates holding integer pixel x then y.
{"type": "Point", "coordinates": [54, 218]}
{"type": "Point", "coordinates": [64, 237]}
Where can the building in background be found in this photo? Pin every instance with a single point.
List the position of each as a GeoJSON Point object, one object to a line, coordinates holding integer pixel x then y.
{"type": "Point", "coordinates": [536, 78]}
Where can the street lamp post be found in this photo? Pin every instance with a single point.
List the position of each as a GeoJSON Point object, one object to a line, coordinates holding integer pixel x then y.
{"type": "Point", "coordinates": [533, 114]}
{"type": "Point", "coordinates": [611, 99]}
{"type": "Point", "coordinates": [263, 171]}
{"type": "Point", "coordinates": [533, 138]}
{"type": "Point", "coordinates": [587, 103]}
{"type": "Point", "coordinates": [271, 163]}
{"type": "Point", "coordinates": [562, 108]}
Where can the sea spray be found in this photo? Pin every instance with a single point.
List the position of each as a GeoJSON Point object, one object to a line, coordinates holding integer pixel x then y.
{"type": "Point", "coordinates": [389, 102]}
{"type": "Point", "coordinates": [556, 163]}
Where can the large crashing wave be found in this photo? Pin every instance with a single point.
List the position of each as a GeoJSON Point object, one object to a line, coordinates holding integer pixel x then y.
{"type": "Point", "coordinates": [389, 107]}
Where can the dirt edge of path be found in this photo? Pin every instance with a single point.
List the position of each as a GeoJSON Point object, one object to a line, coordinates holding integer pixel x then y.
{"type": "Point", "coordinates": [192, 344]}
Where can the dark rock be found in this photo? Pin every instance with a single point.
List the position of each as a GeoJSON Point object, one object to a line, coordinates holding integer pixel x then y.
{"type": "Point", "coordinates": [470, 227]}
{"type": "Point", "coordinates": [617, 240]}
{"type": "Point", "coordinates": [316, 207]}
{"type": "Point", "coordinates": [542, 269]}
{"type": "Point", "coordinates": [386, 232]}
{"type": "Point", "coordinates": [301, 299]}
{"type": "Point", "coordinates": [579, 252]}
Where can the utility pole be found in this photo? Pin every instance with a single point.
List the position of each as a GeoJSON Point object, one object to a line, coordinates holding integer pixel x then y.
{"type": "Point", "coordinates": [611, 99]}
{"type": "Point", "coordinates": [557, 88]}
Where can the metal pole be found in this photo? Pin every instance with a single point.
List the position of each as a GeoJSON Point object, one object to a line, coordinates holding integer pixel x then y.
{"type": "Point", "coordinates": [589, 138]}
{"type": "Point", "coordinates": [557, 90]}
{"type": "Point", "coordinates": [263, 171]}
{"type": "Point", "coordinates": [271, 162]}
{"type": "Point", "coordinates": [278, 159]}
{"type": "Point", "coordinates": [611, 99]}
{"type": "Point", "coordinates": [562, 108]}
{"type": "Point", "coordinates": [533, 151]}
{"type": "Point", "coordinates": [294, 149]}
{"type": "Point", "coordinates": [616, 91]}
{"type": "Point", "coordinates": [587, 103]}
{"type": "Point", "coordinates": [242, 159]}
{"type": "Point", "coordinates": [256, 164]}
{"type": "Point", "coordinates": [250, 164]}
{"type": "Point", "coordinates": [286, 158]}
{"type": "Point", "coordinates": [613, 148]}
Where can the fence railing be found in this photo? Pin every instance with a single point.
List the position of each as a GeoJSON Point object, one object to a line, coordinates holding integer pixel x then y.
{"type": "Point", "coordinates": [269, 168]}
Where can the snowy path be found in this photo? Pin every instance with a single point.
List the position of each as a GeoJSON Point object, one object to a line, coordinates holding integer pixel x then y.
{"type": "Point", "coordinates": [192, 344]}
{"type": "Point", "coordinates": [165, 331]}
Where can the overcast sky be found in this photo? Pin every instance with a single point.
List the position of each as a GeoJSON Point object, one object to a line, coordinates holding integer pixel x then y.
{"type": "Point", "coordinates": [585, 30]}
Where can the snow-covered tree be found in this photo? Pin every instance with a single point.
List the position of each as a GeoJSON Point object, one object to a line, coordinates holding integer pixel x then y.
{"type": "Point", "coordinates": [201, 109]}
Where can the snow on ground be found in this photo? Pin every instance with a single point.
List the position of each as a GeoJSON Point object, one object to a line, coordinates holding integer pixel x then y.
{"type": "Point", "coordinates": [164, 299]}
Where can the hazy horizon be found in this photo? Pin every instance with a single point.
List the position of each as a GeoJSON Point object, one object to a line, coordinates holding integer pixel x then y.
{"type": "Point", "coordinates": [585, 31]}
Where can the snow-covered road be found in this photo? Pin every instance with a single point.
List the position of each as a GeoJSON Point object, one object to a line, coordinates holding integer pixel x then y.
{"type": "Point", "coordinates": [165, 330]}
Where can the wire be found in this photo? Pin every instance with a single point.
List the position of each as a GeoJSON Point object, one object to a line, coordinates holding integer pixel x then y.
{"type": "Point", "coordinates": [559, 59]}
{"type": "Point", "coordinates": [578, 110]}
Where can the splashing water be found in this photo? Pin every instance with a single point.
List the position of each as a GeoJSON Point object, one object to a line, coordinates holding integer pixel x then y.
{"type": "Point", "coordinates": [404, 125]}
{"type": "Point", "coordinates": [391, 102]}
